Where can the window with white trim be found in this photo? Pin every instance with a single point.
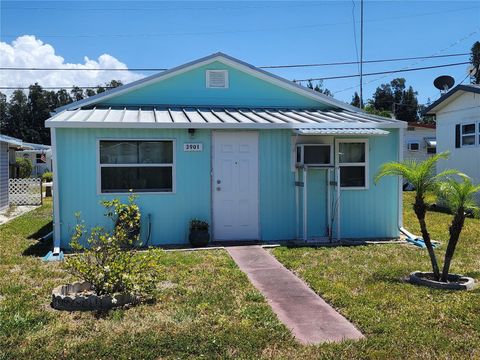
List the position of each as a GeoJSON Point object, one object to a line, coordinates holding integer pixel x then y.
{"type": "Point", "coordinates": [468, 134]}
{"type": "Point", "coordinates": [352, 158]}
{"type": "Point", "coordinates": [413, 145]}
{"type": "Point", "coordinates": [138, 166]}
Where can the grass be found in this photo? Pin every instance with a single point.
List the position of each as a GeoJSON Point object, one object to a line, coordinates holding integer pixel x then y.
{"type": "Point", "coordinates": [367, 285]}
{"type": "Point", "coordinates": [210, 310]}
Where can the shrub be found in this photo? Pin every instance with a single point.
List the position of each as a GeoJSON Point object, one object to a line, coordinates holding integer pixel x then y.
{"type": "Point", "coordinates": [105, 262]}
{"type": "Point", "coordinates": [47, 176]}
{"type": "Point", "coordinates": [25, 167]}
{"type": "Point", "coordinates": [126, 218]}
{"type": "Point", "coordinates": [198, 225]}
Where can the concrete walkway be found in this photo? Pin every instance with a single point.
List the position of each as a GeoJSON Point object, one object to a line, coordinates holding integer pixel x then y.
{"type": "Point", "coordinates": [306, 314]}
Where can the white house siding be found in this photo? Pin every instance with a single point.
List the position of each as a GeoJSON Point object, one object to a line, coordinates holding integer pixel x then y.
{"type": "Point", "coordinates": [418, 134]}
{"type": "Point", "coordinates": [3, 175]}
{"type": "Point", "coordinates": [462, 110]}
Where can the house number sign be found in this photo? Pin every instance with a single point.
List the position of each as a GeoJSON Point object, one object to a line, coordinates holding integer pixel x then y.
{"type": "Point", "coordinates": [192, 147]}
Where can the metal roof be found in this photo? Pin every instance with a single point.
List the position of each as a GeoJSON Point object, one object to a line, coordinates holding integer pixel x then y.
{"type": "Point", "coordinates": [233, 118]}
{"type": "Point", "coordinates": [341, 132]}
{"type": "Point", "coordinates": [14, 141]}
{"type": "Point", "coordinates": [474, 88]}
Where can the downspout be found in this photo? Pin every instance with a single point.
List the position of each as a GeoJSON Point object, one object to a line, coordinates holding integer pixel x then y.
{"type": "Point", "coordinates": [337, 175]}
{"type": "Point", "coordinates": [305, 209]}
{"type": "Point", "coordinates": [56, 195]}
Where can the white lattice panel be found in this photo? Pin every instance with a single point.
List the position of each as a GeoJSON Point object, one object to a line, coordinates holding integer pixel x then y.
{"type": "Point", "coordinates": [25, 191]}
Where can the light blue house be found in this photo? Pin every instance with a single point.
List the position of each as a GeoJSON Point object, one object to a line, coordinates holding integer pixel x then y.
{"type": "Point", "coordinates": [256, 156]}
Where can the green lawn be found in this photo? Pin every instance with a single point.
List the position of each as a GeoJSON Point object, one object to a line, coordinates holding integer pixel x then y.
{"type": "Point", "coordinates": [210, 310]}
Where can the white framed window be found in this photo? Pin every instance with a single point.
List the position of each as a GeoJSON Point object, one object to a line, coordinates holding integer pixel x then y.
{"type": "Point", "coordinates": [352, 158]}
{"type": "Point", "coordinates": [217, 79]}
{"type": "Point", "coordinates": [413, 146]}
{"type": "Point", "coordinates": [468, 134]}
{"type": "Point", "coordinates": [141, 166]}
{"type": "Point", "coordinates": [314, 154]}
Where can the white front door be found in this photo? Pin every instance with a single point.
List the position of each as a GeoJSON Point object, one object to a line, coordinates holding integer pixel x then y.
{"type": "Point", "coordinates": [235, 185]}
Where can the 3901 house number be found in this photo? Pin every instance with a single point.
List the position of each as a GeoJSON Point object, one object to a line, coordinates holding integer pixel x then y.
{"type": "Point", "coordinates": [192, 147]}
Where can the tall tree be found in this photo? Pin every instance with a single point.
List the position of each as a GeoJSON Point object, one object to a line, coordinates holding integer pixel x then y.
{"type": "Point", "coordinates": [39, 110]}
{"type": "Point", "coordinates": [319, 87]}
{"type": "Point", "coordinates": [17, 115]}
{"type": "Point", "coordinates": [475, 60]}
{"type": "Point", "coordinates": [396, 98]}
{"type": "Point", "coordinates": [355, 100]}
{"type": "Point", "coordinates": [3, 112]}
{"type": "Point", "coordinates": [77, 93]}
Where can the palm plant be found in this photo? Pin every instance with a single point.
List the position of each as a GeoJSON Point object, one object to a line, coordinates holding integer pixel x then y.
{"type": "Point", "coordinates": [459, 196]}
{"type": "Point", "coordinates": [422, 176]}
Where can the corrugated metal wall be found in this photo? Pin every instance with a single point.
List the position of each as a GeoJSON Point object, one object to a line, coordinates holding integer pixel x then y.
{"type": "Point", "coordinates": [170, 213]}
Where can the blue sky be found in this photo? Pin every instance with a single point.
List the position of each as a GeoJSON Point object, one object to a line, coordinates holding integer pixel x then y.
{"type": "Point", "coordinates": [166, 34]}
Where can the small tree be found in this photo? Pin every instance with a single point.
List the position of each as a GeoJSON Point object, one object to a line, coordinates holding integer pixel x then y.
{"type": "Point", "coordinates": [25, 167]}
{"type": "Point", "coordinates": [459, 196]}
{"type": "Point", "coordinates": [422, 176]}
{"type": "Point", "coordinates": [108, 261]}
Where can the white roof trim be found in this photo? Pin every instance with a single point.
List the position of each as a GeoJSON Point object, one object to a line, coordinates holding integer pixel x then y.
{"type": "Point", "coordinates": [226, 59]}
{"type": "Point", "coordinates": [324, 131]}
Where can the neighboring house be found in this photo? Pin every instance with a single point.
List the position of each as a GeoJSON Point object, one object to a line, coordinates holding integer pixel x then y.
{"type": "Point", "coordinates": [419, 141]}
{"type": "Point", "coordinates": [8, 146]}
{"type": "Point", "coordinates": [457, 116]}
{"type": "Point", "coordinates": [256, 156]}
{"type": "Point", "coordinates": [40, 156]}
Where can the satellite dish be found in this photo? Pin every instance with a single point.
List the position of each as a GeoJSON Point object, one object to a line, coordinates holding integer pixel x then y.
{"type": "Point", "coordinates": [471, 70]}
{"type": "Point", "coordinates": [444, 83]}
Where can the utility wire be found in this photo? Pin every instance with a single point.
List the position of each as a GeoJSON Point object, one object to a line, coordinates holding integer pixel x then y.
{"type": "Point", "coordinates": [301, 80]}
{"type": "Point", "coordinates": [417, 62]}
{"type": "Point", "coordinates": [384, 72]}
{"type": "Point", "coordinates": [338, 63]}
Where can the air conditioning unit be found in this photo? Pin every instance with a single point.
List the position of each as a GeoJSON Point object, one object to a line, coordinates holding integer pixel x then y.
{"type": "Point", "coordinates": [413, 146]}
{"type": "Point", "coordinates": [314, 155]}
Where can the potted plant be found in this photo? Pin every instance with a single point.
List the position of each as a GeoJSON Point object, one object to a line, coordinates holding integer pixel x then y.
{"type": "Point", "coordinates": [199, 235]}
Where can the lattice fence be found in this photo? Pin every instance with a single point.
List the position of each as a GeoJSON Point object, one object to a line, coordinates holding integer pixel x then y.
{"type": "Point", "coordinates": [25, 191]}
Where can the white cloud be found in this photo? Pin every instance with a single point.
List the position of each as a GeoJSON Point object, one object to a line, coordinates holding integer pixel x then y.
{"type": "Point", "coordinates": [28, 51]}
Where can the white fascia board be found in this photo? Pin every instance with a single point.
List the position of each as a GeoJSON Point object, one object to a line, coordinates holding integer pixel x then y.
{"type": "Point", "coordinates": [225, 59]}
{"type": "Point", "coordinates": [265, 126]}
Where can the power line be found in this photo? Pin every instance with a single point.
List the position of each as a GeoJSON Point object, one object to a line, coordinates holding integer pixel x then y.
{"type": "Point", "coordinates": [301, 80]}
{"type": "Point", "coordinates": [383, 72]}
{"type": "Point", "coordinates": [417, 62]}
{"type": "Point", "coordinates": [261, 67]}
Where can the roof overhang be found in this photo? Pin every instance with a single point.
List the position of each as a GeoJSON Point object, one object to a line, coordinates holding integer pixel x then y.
{"type": "Point", "coordinates": [431, 142]}
{"type": "Point", "coordinates": [334, 131]}
{"type": "Point", "coordinates": [445, 99]}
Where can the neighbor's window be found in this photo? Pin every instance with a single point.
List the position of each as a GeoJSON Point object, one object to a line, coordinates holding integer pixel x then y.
{"type": "Point", "coordinates": [468, 134]}
{"type": "Point", "coordinates": [352, 157]}
{"type": "Point", "coordinates": [414, 146]}
{"type": "Point", "coordinates": [141, 166]}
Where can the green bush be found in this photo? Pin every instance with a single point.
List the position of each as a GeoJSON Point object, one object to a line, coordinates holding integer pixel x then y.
{"type": "Point", "coordinates": [104, 261]}
{"type": "Point", "coordinates": [47, 176]}
{"type": "Point", "coordinates": [25, 167]}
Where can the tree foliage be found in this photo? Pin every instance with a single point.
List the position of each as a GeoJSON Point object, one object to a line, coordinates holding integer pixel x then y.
{"type": "Point", "coordinates": [106, 263]}
{"type": "Point", "coordinates": [475, 60]}
{"type": "Point", "coordinates": [23, 115]}
{"type": "Point", "coordinates": [396, 98]}
{"type": "Point", "coordinates": [319, 87]}
{"type": "Point", "coordinates": [355, 100]}
{"type": "Point", "coordinates": [25, 167]}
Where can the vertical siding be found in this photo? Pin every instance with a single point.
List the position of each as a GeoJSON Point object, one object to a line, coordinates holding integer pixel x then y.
{"type": "Point", "coordinates": [373, 213]}
{"type": "Point", "coordinates": [170, 213]}
{"type": "Point", "coordinates": [3, 175]}
{"type": "Point", "coordinates": [189, 89]}
{"type": "Point", "coordinates": [277, 191]}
